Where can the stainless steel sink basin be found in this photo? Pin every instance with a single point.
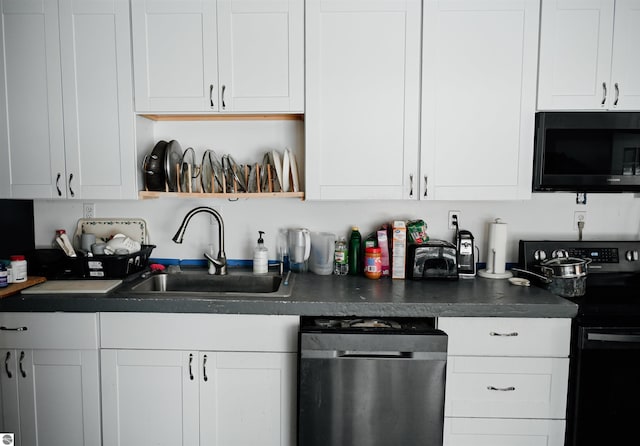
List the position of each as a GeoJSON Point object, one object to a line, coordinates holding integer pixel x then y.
{"type": "Point", "coordinates": [198, 284]}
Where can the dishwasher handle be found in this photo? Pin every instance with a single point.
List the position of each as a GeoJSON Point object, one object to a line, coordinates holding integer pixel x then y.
{"type": "Point", "coordinates": [372, 354]}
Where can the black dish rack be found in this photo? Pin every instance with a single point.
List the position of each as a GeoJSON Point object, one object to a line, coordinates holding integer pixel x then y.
{"type": "Point", "coordinates": [54, 264]}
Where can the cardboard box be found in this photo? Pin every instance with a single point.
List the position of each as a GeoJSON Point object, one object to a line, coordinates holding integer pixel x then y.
{"type": "Point", "coordinates": [383, 244]}
{"type": "Point", "coordinates": [399, 249]}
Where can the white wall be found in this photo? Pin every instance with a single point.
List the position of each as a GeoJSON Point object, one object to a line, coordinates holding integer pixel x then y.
{"type": "Point", "coordinates": [550, 216]}
{"type": "Point", "coordinates": [609, 216]}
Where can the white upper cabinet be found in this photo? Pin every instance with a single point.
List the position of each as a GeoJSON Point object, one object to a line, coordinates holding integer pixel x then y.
{"type": "Point", "coordinates": [31, 123]}
{"type": "Point", "coordinates": [66, 124]}
{"type": "Point", "coordinates": [362, 99]}
{"type": "Point", "coordinates": [218, 56]}
{"type": "Point", "coordinates": [97, 99]}
{"type": "Point", "coordinates": [478, 99]}
{"type": "Point", "coordinates": [588, 55]}
{"type": "Point", "coordinates": [261, 55]}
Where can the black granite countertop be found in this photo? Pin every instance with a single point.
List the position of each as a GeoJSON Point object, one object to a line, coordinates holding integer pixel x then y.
{"type": "Point", "coordinates": [330, 296]}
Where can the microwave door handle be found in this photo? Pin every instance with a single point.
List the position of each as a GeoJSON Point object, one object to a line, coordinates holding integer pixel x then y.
{"type": "Point", "coordinates": [604, 93]}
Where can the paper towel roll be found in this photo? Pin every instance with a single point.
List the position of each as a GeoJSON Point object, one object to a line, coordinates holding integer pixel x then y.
{"type": "Point", "coordinates": [496, 258]}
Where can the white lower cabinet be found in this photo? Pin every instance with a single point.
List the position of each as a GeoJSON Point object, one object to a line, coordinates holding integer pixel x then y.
{"type": "Point", "coordinates": [505, 432]}
{"type": "Point", "coordinates": [204, 395]}
{"type": "Point", "coordinates": [507, 387]}
{"type": "Point", "coordinates": [50, 383]}
{"type": "Point", "coordinates": [507, 381]}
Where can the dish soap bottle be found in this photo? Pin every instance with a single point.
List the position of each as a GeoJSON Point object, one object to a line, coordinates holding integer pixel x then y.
{"type": "Point", "coordinates": [260, 256]}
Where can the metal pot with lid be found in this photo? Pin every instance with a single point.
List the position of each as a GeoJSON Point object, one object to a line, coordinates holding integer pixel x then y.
{"type": "Point", "coordinates": [564, 276]}
{"type": "Point", "coordinates": [565, 267]}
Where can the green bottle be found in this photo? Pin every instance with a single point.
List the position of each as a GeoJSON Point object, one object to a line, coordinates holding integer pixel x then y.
{"type": "Point", "coordinates": [355, 256]}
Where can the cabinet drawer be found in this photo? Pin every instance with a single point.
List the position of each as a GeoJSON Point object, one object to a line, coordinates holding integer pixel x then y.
{"type": "Point", "coordinates": [220, 332]}
{"type": "Point", "coordinates": [506, 387]}
{"type": "Point", "coordinates": [507, 336]}
{"type": "Point", "coordinates": [49, 330]}
{"type": "Point", "coordinates": [497, 432]}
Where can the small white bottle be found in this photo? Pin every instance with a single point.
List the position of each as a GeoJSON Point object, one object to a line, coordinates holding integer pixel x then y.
{"type": "Point", "coordinates": [260, 257]}
{"type": "Point", "coordinates": [18, 268]}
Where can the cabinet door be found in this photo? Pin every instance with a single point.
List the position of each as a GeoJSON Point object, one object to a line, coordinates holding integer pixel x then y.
{"type": "Point", "coordinates": [362, 99]}
{"type": "Point", "coordinates": [9, 410]}
{"type": "Point", "coordinates": [575, 54]}
{"type": "Point", "coordinates": [261, 54]}
{"type": "Point", "coordinates": [503, 432]}
{"type": "Point", "coordinates": [149, 397]}
{"type": "Point", "coordinates": [98, 98]}
{"type": "Point", "coordinates": [31, 124]}
{"type": "Point", "coordinates": [175, 55]}
{"type": "Point", "coordinates": [626, 63]}
{"type": "Point", "coordinates": [59, 393]}
{"type": "Point", "coordinates": [247, 398]}
{"type": "Point", "coordinates": [478, 103]}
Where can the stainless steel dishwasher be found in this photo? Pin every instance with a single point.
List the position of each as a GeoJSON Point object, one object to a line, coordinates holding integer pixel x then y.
{"type": "Point", "coordinates": [370, 382]}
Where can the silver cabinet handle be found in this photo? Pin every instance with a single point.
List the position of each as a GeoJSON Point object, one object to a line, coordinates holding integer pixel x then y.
{"type": "Point", "coordinates": [58, 184]}
{"type": "Point", "coordinates": [617, 88]}
{"type": "Point", "coordinates": [6, 365]}
{"type": "Point", "coordinates": [411, 185]}
{"type": "Point", "coordinates": [211, 95]}
{"type": "Point", "coordinates": [513, 333]}
{"type": "Point", "coordinates": [22, 372]}
{"type": "Point", "coordinates": [190, 366]}
{"type": "Point", "coordinates": [604, 93]}
{"type": "Point", "coordinates": [425, 186]}
{"type": "Point", "coordinates": [501, 389]}
{"type": "Point", "coordinates": [70, 189]}
{"type": "Point", "coordinates": [204, 368]}
{"type": "Point", "coordinates": [224, 87]}
{"type": "Point", "coordinates": [3, 328]}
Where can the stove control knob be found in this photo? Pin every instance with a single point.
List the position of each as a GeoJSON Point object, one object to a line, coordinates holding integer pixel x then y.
{"type": "Point", "coordinates": [540, 255]}
{"type": "Point", "coordinates": [560, 254]}
{"type": "Point", "coordinates": [632, 256]}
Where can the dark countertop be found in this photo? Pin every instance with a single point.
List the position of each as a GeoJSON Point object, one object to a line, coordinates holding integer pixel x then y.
{"type": "Point", "coordinates": [331, 296]}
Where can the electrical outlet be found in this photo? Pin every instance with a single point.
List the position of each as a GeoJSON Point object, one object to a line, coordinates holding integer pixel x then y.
{"type": "Point", "coordinates": [454, 216]}
{"type": "Point", "coordinates": [89, 210]}
{"type": "Point", "coordinates": [579, 216]}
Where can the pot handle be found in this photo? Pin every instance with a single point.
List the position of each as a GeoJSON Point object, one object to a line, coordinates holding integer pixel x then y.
{"type": "Point", "coordinates": [539, 276]}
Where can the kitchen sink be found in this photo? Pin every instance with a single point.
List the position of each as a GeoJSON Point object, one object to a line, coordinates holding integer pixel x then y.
{"type": "Point", "coordinates": [202, 285]}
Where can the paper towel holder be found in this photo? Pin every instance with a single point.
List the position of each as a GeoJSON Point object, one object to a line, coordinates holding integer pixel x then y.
{"type": "Point", "coordinates": [490, 271]}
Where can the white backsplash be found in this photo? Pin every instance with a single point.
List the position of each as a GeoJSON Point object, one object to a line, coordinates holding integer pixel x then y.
{"type": "Point", "coordinates": [609, 216]}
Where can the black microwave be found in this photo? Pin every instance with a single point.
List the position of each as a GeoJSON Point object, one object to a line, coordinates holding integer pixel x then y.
{"type": "Point", "coordinates": [587, 152]}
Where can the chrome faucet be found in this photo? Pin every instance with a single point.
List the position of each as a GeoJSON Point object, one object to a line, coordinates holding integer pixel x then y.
{"type": "Point", "coordinates": [220, 263]}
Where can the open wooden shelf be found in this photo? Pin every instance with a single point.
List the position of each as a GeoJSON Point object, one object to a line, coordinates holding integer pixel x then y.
{"type": "Point", "coordinates": [224, 117]}
{"type": "Point", "coordinates": [153, 194]}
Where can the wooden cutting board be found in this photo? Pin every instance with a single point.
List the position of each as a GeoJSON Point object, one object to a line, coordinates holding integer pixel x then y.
{"type": "Point", "coordinates": [14, 288]}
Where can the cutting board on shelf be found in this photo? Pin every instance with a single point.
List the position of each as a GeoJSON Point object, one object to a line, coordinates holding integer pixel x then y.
{"type": "Point", "coordinates": [14, 288]}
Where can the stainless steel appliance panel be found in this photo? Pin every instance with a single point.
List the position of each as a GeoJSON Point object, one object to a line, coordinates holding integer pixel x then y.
{"type": "Point", "coordinates": [371, 389]}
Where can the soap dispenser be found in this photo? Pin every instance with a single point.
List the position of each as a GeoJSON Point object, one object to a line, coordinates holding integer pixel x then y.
{"type": "Point", "coordinates": [260, 256]}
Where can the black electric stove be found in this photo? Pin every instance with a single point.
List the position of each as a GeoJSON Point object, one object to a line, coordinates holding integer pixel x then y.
{"type": "Point", "coordinates": [613, 279]}
{"type": "Point", "coordinates": [604, 388]}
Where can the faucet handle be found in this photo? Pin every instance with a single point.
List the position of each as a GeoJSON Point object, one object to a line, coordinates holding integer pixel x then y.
{"type": "Point", "coordinates": [217, 266]}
